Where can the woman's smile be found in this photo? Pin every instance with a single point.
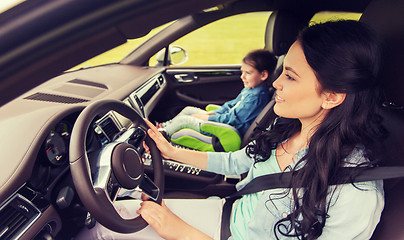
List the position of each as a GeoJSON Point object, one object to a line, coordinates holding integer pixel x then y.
{"type": "Point", "coordinates": [279, 99]}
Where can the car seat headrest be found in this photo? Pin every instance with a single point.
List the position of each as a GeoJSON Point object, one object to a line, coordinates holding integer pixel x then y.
{"type": "Point", "coordinates": [387, 19]}
{"type": "Point", "coordinates": [281, 31]}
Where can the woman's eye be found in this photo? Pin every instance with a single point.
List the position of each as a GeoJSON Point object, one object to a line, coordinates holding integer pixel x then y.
{"type": "Point", "coordinates": [289, 77]}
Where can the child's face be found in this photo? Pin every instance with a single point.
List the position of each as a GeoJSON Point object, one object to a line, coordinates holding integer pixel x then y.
{"type": "Point", "coordinates": [251, 77]}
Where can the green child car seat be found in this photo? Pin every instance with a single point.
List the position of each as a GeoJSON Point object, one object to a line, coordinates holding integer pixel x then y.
{"type": "Point", "coordinates": [224, 137]}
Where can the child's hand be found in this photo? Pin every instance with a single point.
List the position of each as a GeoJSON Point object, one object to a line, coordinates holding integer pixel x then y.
{"type": "Point", "coordinates": [202, 116]}
{"type": "Point", "coordinates": [166, 149]}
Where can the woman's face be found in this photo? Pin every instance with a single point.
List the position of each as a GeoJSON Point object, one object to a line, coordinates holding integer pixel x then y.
{"type": "Point", "coordinates": [297, 89]}
{"type": "Point", "coordinates": [251, 76]}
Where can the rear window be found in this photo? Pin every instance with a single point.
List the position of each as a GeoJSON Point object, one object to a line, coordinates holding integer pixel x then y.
{"type": "Point", "coordinates": [334, 16]}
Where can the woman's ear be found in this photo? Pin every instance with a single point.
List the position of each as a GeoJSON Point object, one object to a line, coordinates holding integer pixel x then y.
{"type": "Point", "coordinates": [333, 99]}
{"type": "Point", "coordinates": [264, 75]}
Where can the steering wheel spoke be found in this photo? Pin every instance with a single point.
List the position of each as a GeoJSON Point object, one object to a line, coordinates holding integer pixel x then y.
{"type": "Point", "coordinates": [137, 137]}
{"type": "Point", "coordinates": [106, 182]}
{"type": "Point", "coordinates": [149, 188]}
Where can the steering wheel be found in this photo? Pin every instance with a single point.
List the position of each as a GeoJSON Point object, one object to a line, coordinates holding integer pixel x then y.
{"type": "Point", "coordinates": [118, 166]}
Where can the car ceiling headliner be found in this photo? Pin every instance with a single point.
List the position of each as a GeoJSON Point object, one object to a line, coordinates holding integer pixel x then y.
{"type": "Point", "coordinates": [43, 42]}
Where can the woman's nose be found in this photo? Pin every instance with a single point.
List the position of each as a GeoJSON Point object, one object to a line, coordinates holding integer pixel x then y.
{"type": "Point", "coordinates": [277, 84]}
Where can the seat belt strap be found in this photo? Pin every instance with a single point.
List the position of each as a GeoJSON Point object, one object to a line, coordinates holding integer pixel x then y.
{"type": "Point", "coordinates": [226, 212]}
{"type": "Point", "coordinates": [282, 180]}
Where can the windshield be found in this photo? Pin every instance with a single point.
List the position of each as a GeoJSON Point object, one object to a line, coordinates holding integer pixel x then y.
{"type": "Point", "coordinates": [7, 4]}
{"type": "Point", "coordinates": [117, 54]}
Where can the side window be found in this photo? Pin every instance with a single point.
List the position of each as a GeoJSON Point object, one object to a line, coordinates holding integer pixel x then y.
{"type": "Point", "coordinates": [225, 41]}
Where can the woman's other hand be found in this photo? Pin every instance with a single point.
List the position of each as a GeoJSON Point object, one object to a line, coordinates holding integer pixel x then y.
{"type": "Point", "coordinates": [166, 223]}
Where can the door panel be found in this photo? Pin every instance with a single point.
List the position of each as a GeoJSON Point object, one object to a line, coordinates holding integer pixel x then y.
{"type": "Point", "coordinates": [197, 86]}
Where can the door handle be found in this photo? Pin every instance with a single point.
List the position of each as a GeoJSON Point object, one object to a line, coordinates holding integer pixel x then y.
{"type": "Point", "coordinates": [186, 78]}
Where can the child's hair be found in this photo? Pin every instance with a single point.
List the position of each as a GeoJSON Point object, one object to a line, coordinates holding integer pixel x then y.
{"type": "Point", "coordinates": [261, 60]}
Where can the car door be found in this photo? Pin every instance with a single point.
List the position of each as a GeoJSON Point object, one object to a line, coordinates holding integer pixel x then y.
{"type": "Point", "coordinates": [198, 86]}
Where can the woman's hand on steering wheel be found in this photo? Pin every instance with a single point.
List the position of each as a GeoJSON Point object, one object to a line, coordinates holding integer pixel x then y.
{"type": "Point", "coordinates": [166, 149]}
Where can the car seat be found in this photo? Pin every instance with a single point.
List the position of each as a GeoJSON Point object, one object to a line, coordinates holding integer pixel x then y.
{"type": "Point", "coordinates": [225, 137]}
{"type": "Point", "coordinates": [387, 19]}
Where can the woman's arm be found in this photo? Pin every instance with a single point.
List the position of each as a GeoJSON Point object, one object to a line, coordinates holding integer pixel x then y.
{"type": "Point", "coordinates": [195, 158]}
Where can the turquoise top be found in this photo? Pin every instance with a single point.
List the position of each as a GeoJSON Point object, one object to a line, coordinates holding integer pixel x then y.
{"type": "Point", "coordinates": [255, 215]}
{"type": "Point", "coordinates": [245, 207]}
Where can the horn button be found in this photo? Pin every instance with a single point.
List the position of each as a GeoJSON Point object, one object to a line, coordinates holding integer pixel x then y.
{"type": "Point", "coordinates": [127, 165]}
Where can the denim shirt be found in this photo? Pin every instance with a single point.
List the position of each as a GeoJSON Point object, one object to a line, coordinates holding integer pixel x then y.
{"type": "Point", "coordinates": [241, 111]}
{"type": "Point", "coordinates": [353, 214]}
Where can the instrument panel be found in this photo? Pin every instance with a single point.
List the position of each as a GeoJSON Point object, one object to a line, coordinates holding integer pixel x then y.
{"type": "Point", "coordinates": [56, 144]}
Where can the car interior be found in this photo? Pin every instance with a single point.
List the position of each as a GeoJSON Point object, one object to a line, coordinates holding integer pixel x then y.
{"type": "Point", "coordinates": [58, 126]}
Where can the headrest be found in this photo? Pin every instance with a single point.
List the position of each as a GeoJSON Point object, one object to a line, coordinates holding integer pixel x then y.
{"type": "Point", "coordinates": [387, 19]}
{"type": "Point", "coordinates": [281, 32]}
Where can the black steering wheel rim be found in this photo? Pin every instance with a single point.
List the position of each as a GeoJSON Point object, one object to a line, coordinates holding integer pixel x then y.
{"type": "Point", "coordinates": [96, 201]}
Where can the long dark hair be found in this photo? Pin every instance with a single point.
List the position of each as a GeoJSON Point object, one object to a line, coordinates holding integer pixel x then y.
{"type": "Point", "coordinates": [345, 56]}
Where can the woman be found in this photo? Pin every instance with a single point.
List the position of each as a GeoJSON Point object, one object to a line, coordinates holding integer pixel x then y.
{"type": "Point", "coordinates": [326, 97]}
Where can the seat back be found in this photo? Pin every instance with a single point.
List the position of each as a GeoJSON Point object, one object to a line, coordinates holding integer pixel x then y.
{"type": "Point", "coordinates": [386, 17]}
{"type": "Point", "coordinates": [277, 41]}
{"type": "Point", "coordinates": [261, 122]}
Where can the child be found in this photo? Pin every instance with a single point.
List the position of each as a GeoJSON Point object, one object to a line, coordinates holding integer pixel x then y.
{"type": "Point", "coordinates": [240, 112]}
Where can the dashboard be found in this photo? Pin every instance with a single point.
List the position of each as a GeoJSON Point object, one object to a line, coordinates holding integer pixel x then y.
{"type": "Point", "coordinates": [37, 193]}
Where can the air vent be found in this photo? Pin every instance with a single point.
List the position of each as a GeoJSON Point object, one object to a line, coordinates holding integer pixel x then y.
{"type": "Point", "coordinates": [109, 128]}
{"type": "Point", "coordinates": [46, 97]}
{"type": "Point", "coordinates": [15, 217]}
{"type": "Point", "coordinates": [150, 93]}
{"type": "Point", "coordinates": [139, 104]}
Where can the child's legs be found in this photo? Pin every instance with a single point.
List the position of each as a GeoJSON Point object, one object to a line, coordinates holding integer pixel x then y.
{"type": "Point", "coordinates": [203, 214]}
{"type": "Point", "coordinates": [181, 122]}
{"type": "Point", "coordinates": [187, 111]}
